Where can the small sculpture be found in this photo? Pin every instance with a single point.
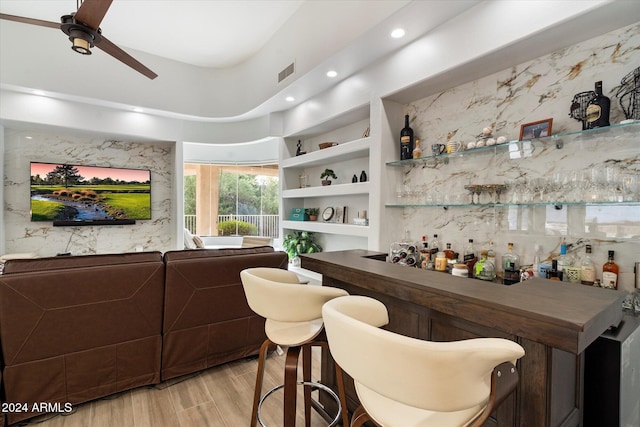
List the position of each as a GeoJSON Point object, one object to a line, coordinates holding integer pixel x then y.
{"type": "Point", "coordinates": [299, 150]}
{"type": "Point", "coordinates": [363, 176]}
{"type": "Point", "coordinates": [628, 95]}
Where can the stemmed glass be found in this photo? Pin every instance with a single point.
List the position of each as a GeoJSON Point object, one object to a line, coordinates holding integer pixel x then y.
{"type": "Point", "coordinates": [537, 185]}
{"type": "Point", "coordinates": [629, 183]}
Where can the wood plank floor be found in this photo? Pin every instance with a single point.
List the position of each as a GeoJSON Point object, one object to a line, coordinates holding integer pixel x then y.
{"type": "Point", "coordinates": [221, 396]}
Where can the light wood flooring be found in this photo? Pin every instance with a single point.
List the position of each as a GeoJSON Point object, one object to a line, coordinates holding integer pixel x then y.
{"type": "Point", "coordinates": [221, 396]}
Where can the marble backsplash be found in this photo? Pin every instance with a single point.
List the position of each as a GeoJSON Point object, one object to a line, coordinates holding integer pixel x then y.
{"type": "Point", "coordinates": [41, 238]}
{"type": "Point", "coordinates": [526, 93]}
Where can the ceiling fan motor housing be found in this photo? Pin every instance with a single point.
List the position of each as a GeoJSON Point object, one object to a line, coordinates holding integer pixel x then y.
{"type": "Point", "coordinates": [82, 36]}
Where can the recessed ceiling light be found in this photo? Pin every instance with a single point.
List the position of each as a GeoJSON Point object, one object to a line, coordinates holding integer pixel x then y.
{"type": "Point", "coordinates": [289, 99]}
{"type": "Point", "coordinates": [397, 33]}
{"type": "Point", "coordinates": [38, 92]}
{"type": "Point", "coordinates": [138, 110]}
{"type": "Point", "coordinates": [28, 137]}
{"type": "Point", "coordinates": [332, 73]}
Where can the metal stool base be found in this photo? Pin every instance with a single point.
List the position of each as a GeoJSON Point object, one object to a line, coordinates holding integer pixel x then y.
{"type": "Point", "coordinates": [306, 384]}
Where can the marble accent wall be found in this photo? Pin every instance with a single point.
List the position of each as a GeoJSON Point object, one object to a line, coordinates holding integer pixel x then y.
{"type": "Point", "coordinates": [41, 238]}
{"type": "Point", "coordinates": [532, 91]}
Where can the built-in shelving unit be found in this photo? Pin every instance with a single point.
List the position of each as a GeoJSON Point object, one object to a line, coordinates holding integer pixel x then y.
{"type": "Point", "coordinates": [350, 156]}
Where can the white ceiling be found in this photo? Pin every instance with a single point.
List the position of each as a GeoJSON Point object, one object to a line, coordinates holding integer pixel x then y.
{"type": "Point", "coordinates": [218, 33]}
{"type": "Point", "coordinates": [229, 52]}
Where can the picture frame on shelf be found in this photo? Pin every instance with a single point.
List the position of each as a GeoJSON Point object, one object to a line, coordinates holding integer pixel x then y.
{"type": "Point", "coordinates": [340, 214]}
{"type": "Point", "coordinates": [538, 129]}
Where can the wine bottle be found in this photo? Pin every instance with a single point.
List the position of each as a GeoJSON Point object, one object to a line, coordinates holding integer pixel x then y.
{"type": "Point", "coordinates": [406, 140]}
{"type": "Point", "coordinates": [598, 109]}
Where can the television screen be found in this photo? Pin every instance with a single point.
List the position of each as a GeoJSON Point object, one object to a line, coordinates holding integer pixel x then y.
{"type": "Point", "coordinates": [74, 193]}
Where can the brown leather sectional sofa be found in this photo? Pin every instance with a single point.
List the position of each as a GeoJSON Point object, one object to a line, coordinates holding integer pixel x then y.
{"type": "Point", "coordinates": [73, 329]}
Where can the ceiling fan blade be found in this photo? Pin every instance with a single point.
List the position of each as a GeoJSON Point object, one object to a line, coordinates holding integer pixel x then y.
{"type": "Point", "coordinates": [113, 50]}
{"type": "Point", "coordinates": [31, 21]}
{"type": "Point", "coordinates": [91, 12]}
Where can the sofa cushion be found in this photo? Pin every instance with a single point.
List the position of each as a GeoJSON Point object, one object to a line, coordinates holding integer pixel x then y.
{"type": "Point", "coordinates": [62, 262]}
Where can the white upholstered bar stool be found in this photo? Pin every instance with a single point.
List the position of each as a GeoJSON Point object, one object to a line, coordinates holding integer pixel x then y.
{"type": "Point", "coordinates": [407, 382]}
{"type": "Point", "coordinates": [293, 313]}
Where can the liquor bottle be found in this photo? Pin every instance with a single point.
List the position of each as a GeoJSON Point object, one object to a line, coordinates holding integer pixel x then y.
{"type": "Point", "coordinates": [598, 109]}
{"type": "Point", "coordinates": [610, 273]}
{"type": "Point", "coordinates": [425, 254]}
{"type": "Point", "coordinates": [511, 266]}
{"type": "Point", "coordinates": [484, 269]}
{"type": "Point", "coordinates": [553, 273]}
{"type": "Point", "coordinates": [563, 261]}
{"type": "Point", "coordinates": [491, 252]}
{"type": "Point", "coordinates": [536, 260]}
{"type": "Point", "coordinates": [449, 253]}
{"type": "Point", "coordinates": [434, 246]}
{"type": "Point", "coordinates": [587, 268]}
{"type": "Point", "coordinates": [469, 255]}
{"type": "Point", "coordinates": [406, 140]}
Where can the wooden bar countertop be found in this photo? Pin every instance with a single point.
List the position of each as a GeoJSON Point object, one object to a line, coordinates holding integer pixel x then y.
{"type": "Point", "coordinates": [558, 314]}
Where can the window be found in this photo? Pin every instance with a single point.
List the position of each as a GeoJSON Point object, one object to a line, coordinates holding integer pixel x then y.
{"type": "Point", "coordinates": [231, 199]}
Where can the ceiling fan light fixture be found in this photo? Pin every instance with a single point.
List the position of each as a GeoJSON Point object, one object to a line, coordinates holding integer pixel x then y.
{"type": "Point", "coordinates": [82, 42]}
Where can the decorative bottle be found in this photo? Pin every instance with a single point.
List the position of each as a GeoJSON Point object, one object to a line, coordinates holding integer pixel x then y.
{"type": "Point", "coordinates": [598, 109]}
{"type": "Point", "coordinates": [417, 152]}
{"type": "Point", "coordinates": [406, 140]}
{"type": "Point", "coordinates": [610, 273]}
{"type": "Point", "coordinates": [511, 266]}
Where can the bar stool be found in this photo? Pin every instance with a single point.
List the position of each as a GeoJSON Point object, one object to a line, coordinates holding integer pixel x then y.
{"type": "Point", "coordinates": [293, 313]}
{"type": "Point", "coordinates": [407, 382]}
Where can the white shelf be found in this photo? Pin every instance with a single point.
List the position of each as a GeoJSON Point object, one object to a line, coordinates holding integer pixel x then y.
{"type": "Point", "coordinates": [346, 151]}
{"type": "Point", "coordinates": [327, 227]}
{"type": "Point", "coordinates": [328, 190]}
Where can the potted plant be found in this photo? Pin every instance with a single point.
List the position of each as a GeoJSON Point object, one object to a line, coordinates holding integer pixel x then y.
{"type": "Point", "coordinates": [313, 213]}
{"type": "Point", "coordinates": [324, 176]}
{"type": "Point", "coordinates": [300, 242]}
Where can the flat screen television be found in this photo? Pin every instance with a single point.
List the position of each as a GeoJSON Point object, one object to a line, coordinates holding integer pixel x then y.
{"type": "Point", "coordinates": [89, 195]}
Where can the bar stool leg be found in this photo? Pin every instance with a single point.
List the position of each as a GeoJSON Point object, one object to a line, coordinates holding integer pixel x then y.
{"type": "Point", "coordinates": [342, 395]}
{"type": "Point", "coordinates": [306, 374]}
{"type": "Point", "coordinates": [290, 386]}
{"type": "Point", "coordinates": [257, 393]}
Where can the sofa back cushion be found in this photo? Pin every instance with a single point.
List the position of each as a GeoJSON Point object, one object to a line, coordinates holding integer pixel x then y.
{"type": "Point", "coordinates": [207, 320]}
{"type": "Point", "coordinates": [66, 262]}
{"type": "Point", "coordinates": [54, 306]}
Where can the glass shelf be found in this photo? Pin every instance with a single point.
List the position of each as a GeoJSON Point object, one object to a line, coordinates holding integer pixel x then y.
{"type": "Point", "coordinates": [557, 140]}
{"type": "Point", "coordinates": [497, 205]}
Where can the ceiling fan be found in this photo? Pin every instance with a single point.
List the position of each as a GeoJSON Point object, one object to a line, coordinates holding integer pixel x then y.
{"type": "Point", "coordinates": [83, 29]}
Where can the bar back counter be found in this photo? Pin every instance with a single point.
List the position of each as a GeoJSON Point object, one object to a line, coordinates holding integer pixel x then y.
{"type": "Point", "coordinates": [554, 321]}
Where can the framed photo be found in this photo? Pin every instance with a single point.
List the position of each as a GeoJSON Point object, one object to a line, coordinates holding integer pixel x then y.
{"type": "Point", "coordinates": [536, 129]}
{"type": "Point", "coordinates": [340, 214]}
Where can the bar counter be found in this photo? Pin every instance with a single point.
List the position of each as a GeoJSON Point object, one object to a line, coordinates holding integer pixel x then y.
{"type": "Point", "coordinates": [554, 321]}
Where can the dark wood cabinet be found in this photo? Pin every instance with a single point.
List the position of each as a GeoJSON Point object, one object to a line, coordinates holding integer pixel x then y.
{"type": "Point", "coordinates": [440, 307]}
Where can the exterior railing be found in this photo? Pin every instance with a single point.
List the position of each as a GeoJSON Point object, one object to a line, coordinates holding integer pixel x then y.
{"type": "Point", "coordinates": [268, 225]}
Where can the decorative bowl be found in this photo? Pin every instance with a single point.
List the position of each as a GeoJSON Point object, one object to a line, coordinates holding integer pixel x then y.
{"type": "Point", "coordinates": [324, 145]}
